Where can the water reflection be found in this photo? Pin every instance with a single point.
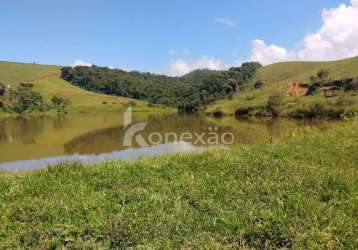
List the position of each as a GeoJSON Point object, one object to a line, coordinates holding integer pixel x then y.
{"type": "Point", "coordinates": [169, 128]}
{"type": "Point", "coordinates": [24, 130]}
{"type": "Point", "coordinates": [26, 143]}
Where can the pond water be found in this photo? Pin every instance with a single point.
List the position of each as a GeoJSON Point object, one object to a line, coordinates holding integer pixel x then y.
{"type": "Point", "coordinates": [31, 143]}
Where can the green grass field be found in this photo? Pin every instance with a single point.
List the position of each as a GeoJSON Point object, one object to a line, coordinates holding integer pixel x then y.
{"type": "Point", "coordinates": [14, 73]}
{"type": "Point", "coordinates": [276, 78]}
{"type": "Point", "coordinates": [301, 194]}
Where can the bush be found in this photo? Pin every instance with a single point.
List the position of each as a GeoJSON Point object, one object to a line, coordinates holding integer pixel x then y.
{"type": "Point", "coordinates": [61, 103]}
{"type": "Point", "coordinates": [25, 99]}
{"type": "Point", "coordinates": [273, 105]}
{"type": "Point", "coordinates": [258, 84]}
{"type": "Point", "coordinates": [218, 113]}
{"type": "Point", "coordinates": [317, 110]}
{"type": "Point", "coordinates": [2, 89]}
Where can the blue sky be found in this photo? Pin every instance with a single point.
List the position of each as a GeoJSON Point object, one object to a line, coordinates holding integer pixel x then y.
{"type": "Point", "coordinates": [150, 35]}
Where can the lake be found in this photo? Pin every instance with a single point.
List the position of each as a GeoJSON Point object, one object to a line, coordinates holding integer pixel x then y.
{"type": "Point", "coordinates": [31, 143]}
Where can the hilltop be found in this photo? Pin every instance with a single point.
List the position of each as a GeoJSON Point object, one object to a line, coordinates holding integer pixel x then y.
{"type": "Point", "coordinates": [46, 80]}
{"type": "Point", "coordinates": [276, 79]}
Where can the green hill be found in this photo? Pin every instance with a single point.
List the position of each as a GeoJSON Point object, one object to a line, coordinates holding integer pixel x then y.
{"type": "Point", "coordinates": [276, 79]}
{"type": "Point", "coordinates": [46, 80]}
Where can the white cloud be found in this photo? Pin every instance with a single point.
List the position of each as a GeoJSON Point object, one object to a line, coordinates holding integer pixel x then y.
{"type": "Point", "coordinates": [336, 39]}
{"type": "Point", "coordinates": [80, 62]}
{"type": "Point", "coordinates": [267, 54]}
{"type": "Point", "coordinates": [181, 67]}
{"type": "Point", "coordinates": [225, 21]}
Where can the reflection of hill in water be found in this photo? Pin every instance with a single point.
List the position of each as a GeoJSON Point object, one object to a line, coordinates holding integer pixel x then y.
{"type": "Point", "coordinates": [95, 142]}
{"type": "Point", "coordinates": [246, 132]}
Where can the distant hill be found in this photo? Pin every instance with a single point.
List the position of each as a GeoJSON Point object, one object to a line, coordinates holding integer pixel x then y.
{"type": "Point", "coordinates": [275, 75]}
{"type": "Point", "coordinates": [276, 79]}
{"type": "Point", "coordinates": [47, 81]}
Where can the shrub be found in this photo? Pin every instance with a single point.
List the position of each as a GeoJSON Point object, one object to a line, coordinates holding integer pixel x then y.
{"type": "Point", "coordinates": [25, 99]}
{"type": "Point", "coordinates": [317, 110]}
{"type": "Point", "coordinates": [61, 103]}
{"type": "Point", "coordinates": [2, 89]}
{"type": "Point", "coordinates": [273, 105]}
{"type": "Point", "coordinates": [258, 84]}
{"type": "Point", "coordinates": [218, 113]}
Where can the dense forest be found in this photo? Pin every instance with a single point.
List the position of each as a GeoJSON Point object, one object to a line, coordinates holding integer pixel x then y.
{"type": "Point", "coordinates": [188, 93]}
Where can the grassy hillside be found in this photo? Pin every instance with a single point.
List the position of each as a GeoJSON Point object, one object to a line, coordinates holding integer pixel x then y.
{"type": "Point", "coordinates": [299, 194]}
{"type": "Point", "coordinates": [46, 80]}
{"type": "Point", "coordinates": [282, 73]}
{"type": "Point", "coordinates": [13, 73]}
{"type": "Point", "coordinates": [276, 78]}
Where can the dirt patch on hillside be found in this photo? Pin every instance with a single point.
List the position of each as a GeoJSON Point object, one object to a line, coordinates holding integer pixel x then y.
{"type": "Point", "coordinates": [297, 89]}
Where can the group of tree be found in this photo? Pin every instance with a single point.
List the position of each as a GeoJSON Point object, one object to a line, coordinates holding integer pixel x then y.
{"type": "Point", "coordinates": [322, 79]}
{"type": "Point", "coordinates": [187, 93]}
{"type": "Point", "coordinates": [24, 99]}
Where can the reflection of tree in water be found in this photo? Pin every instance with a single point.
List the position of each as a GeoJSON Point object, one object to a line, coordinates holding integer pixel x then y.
{"type": "Point", "coordinates": [255, 131]}
{"type": "Point", "coordinates": [111, 139]}
{"type": "Point", "coordinates": [96, 142]}
{"type": "Point", "coordinates": [60, 122]}
{"type": "Point", "coordinates": [21, 129]}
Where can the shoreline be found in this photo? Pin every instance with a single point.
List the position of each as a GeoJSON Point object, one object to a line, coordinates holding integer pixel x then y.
{"type": "Point", "coordinates": [214, 199]}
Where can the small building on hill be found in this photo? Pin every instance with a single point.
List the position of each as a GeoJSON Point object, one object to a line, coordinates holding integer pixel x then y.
{"type": "Point", "coordinates": [329, 89]}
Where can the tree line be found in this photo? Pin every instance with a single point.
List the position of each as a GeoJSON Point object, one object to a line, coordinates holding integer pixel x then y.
{"type": "Point", "coordinates": [187, 93]}
{"type": "Point", "coordinates": [25, 99]}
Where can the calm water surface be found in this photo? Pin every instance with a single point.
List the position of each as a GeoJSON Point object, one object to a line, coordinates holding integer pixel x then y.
{"type": "Point", "coordinates": [27, 144]}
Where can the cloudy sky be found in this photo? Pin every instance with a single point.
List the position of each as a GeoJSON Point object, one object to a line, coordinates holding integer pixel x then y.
{"type": "Point", "coordinates": [175, 37]}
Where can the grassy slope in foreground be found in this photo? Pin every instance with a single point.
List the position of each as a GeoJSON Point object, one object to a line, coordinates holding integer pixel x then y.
{"type": "Point", "coordinates": [276, 78]}
{"type": "Point", "coordinates": [82, 100]}
{"type": "Point", "coordinates": [301, 194]}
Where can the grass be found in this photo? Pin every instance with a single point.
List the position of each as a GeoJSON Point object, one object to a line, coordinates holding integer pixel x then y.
{"type": "Point", "coordinates": [276, 78]}
{"type": "Point", "coordinates": [301, 193]}
{"type": "Point", "coordinates": [51, 84]}
{"type": "Point", "coordinates": [14, 73]}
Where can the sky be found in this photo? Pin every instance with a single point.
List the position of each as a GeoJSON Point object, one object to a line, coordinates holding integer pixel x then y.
{"type": "Point", "coordinates": [175, 37]}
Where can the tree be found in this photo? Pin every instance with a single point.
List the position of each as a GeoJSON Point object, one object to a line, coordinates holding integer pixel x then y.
{"type": "Point", "coordinates": [27, 99]}
{"type": "Point", "coordinates": [189, 92]}
{"type": "Point", "coordinates": [314, 79]}
{"type": "Point", "coordinates": [323, 74]}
